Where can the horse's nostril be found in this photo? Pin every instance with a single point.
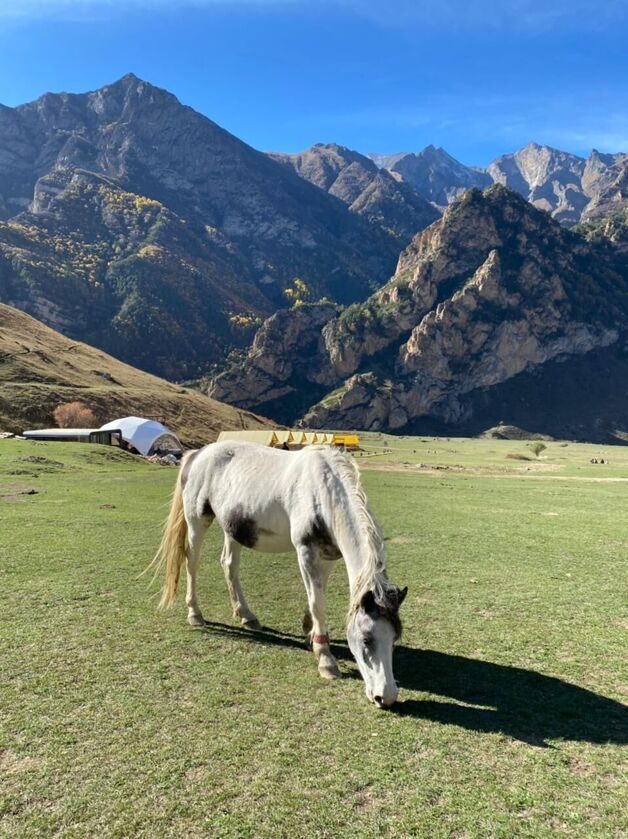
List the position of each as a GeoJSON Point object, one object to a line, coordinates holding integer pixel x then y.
{"type": "Point", "coordinates": [378, 700]}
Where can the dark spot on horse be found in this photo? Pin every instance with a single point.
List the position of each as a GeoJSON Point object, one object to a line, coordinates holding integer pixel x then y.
{"type": "Point", "coordinates": [318, 534]}
{"type": "Point", "coordinates": [389, 610]}
{"type": "Point", "coordinates": [243, 529]}
{"type": "Point", "coordinates": [395, 620]}
{"type": "Point", "coordinates": [185, 469]}
{"type": "Point", "coordinates": [207, 509]}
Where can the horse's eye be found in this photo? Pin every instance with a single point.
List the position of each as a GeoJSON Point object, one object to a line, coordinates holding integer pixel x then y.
{"type": "Point", "coordinates": [369, 642]}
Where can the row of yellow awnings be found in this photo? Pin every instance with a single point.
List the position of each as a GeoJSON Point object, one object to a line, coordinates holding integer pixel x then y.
{"type": "Point", "coordinates": [285, 437]}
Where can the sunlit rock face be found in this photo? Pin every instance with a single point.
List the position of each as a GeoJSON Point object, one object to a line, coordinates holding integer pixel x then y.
{"type": "Point", "coordinates": [491, 292]}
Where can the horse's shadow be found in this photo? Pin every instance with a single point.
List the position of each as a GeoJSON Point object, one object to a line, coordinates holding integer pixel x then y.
{"type": "Point", "coordinates": [487, 697]}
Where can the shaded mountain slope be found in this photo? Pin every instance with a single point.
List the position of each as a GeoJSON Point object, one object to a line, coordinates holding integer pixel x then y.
{"type": "Point", "coordinates": [366, 190]}
{"type": "Point", "coordinates": [251, 221]}
{"type": "Point", "coordinates": [40, 368]}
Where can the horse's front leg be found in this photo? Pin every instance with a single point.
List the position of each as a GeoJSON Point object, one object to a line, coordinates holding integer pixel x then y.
{"type": "Point", "coordinates": [230, 561]}
{"type": "Point", "coordinates": [315, 573]}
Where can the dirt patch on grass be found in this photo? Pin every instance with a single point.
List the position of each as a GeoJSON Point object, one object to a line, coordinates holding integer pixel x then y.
{"type": "Point", "coordinates": [13, 763]}
{"type": "Point", "coordinates": [16, 492]}
{"type": "Point", "coordinates": [109, 454]}
{"type": "Point", "coordinates": [365, 801]}
{"type": "Point", "coordinates": [40, 459]}
{"type": "Point", "coordinates": [399, 540]}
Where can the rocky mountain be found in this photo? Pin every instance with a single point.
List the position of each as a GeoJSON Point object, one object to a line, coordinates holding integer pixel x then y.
{"type": "Point", "coordinates": [605, 181]}
{"type": "Point", "coordinates": [434, 174]}
{"type": "Point", "coordinates": [40, 369]}
{"type": "Point", "coordinates": [548, 178]}
{"type": "Point", "coordinates": [374, 193]}
{"type": "Point", "coordinates": [131, 221]}
{"type": "Point", "coordinates": [569, 187]}
{"type": "Point", "coordinates": [489, 307]}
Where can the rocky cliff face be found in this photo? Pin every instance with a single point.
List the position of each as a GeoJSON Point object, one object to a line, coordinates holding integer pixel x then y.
{"type": "Point", "coordinates": [254, 223]}
{"type": "Point", "coordinates": [493, 290]}
{"type": "Point", "coordinates": [368, 191]}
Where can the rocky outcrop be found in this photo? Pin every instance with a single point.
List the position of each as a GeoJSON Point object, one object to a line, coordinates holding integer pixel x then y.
{"type": "Point", "coordinates": [282, 360]}
{"type": "Point", "coordinates": [368, 191]}
{"type": "Point", "coordinates": [494, 290]}
{"type": "Point", "coordinates": [612, 228]}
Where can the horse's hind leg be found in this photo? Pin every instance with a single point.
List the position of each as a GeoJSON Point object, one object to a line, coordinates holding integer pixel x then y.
{"type": "Point", "coordinates": [230, 561]}
{"type": "Point", "coordinates": [196, 533]}
{"type": "Point", "coordinates": [315, 573]}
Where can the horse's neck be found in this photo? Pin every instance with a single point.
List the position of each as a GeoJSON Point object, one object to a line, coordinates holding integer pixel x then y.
{"type": "Point", "coordinates": [359, 545]}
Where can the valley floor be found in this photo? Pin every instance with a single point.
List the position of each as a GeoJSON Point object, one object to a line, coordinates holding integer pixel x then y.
{"type": "Point", "coordinates": [118, 721]}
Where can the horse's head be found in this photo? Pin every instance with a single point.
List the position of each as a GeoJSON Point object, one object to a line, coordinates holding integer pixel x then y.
{"type": "Point", "coordinates": [372, 629]}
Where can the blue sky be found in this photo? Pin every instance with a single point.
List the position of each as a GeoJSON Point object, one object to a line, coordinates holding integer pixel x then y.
{"type": "Point", "coordinates": [479, 78]}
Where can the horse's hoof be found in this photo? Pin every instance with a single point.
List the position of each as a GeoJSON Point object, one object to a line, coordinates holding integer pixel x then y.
{"type": "Point", "coordinates": [197, 620]}
{"type": "Point", "coordinates": [330, 672]}
{"type": "Point", "coordinates": [254, 625]}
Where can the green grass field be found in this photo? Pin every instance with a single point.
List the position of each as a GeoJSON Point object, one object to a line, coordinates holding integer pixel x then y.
{"type": "Point", "coordinates": [118, 721]}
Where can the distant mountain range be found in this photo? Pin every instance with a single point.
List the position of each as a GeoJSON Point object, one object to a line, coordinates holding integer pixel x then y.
{"type": "Point", "coordinates": [133, 223]}
{"type": "Point", "coordinates": [569, 187]}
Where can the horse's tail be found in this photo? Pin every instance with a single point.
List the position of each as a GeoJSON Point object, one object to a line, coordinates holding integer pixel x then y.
{"type": "Point", "coordinates": [172, 549]}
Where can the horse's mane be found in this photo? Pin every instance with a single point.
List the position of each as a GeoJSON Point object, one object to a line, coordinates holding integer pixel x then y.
{"type": "Point", "coordinates": [372, 576]}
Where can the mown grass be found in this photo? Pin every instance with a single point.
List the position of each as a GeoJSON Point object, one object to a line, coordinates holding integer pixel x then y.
{"type": "Point", "coordinates": [117, 721]}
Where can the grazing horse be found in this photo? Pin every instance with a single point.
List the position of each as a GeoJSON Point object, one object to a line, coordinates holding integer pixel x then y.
{"type": "Point", "coordinates": [274, 501]}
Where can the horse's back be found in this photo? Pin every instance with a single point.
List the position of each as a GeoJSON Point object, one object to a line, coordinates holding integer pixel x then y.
{"type": "Point", "coordinates": [259, 495]}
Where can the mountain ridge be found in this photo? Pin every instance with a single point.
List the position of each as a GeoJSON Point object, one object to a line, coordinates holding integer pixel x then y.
{"type": "Point", "coordinates": [571, 188]}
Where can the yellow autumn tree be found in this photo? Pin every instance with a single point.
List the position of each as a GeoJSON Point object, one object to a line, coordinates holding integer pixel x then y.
{"type": "Point", "coordinates": [297, 293]}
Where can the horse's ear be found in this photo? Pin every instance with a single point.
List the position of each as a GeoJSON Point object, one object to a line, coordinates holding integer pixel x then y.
{"type": "Point", "coordinates": [402, 595]}
{"type": "Point", "coordinates": [368, 601]}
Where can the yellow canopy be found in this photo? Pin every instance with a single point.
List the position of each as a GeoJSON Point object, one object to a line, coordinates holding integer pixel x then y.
{"type": "Point", "coordinates": [262, 437]}
{"type": "Point", "coordinates": [348, 441]}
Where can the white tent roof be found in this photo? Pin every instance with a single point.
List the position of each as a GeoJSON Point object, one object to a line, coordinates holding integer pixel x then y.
{"type": "Point", "coordinates": [139, 432]}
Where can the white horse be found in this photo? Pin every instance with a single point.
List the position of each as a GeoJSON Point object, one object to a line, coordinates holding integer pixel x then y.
{"type": "Point", "coordinates": [271, 500]}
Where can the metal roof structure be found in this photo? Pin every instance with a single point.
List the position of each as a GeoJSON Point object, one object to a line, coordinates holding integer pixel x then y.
{"type": "Point", "coordinates": [146, 436]}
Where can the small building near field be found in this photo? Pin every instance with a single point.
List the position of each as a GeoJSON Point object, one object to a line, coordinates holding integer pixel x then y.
{"type": "Point", "coordinates": [109, 437]}
{"type": "Point", "coordinates": [146, 436]}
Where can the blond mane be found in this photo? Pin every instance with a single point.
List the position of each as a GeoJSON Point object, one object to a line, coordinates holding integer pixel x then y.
{"type": "Point", "coordinates": [372, 576]}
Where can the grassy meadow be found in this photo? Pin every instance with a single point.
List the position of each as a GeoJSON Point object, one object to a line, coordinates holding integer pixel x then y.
{"type": "Point", "coordinates": [118, 721]}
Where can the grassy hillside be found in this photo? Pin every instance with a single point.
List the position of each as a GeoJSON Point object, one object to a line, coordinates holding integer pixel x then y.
{"type": "Point", "coordinates": [118, 721]}
{"type": "Point", "coordinates": [40, 368]}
